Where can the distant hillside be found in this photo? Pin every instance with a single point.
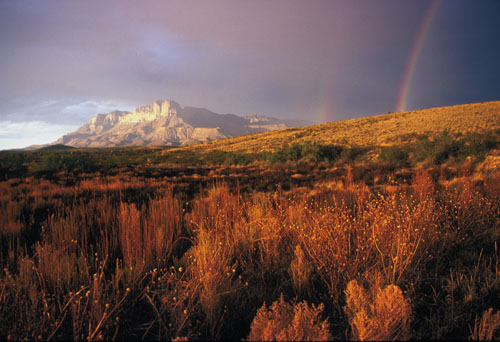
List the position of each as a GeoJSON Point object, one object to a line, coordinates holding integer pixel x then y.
{"type": "Point", "coordinates": [56, 147]}
{"type": "Point", "coordinates": [166, 123]}
{"type": "Point", "coordinates": [378, 130]}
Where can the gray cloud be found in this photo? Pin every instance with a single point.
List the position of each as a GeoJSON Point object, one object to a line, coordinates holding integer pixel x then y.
{"type": "Point", "coordinates": [279, 58]}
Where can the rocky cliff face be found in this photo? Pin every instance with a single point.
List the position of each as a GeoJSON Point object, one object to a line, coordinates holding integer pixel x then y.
{"type": "Point", "coordinates": [167, 123]}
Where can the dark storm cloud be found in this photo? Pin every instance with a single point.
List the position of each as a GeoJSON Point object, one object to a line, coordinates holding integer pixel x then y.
{"type": "Point", "coordinates": [279, 58]}
{"type": "Point", "coordinates": [203, 54]}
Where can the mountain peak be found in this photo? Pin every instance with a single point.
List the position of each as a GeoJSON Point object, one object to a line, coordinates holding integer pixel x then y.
{"type": "Point", "coordinates": [165, 122]}
{"type": "Point", "coordinates": [254, 118]}
{"type": "Point", "coordinates": [152, 112]}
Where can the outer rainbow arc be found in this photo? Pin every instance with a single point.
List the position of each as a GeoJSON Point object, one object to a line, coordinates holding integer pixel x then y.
{"type": "Point", "coordinates": [324, 107]}
{"type": "Point", "coordinates": [412, 62]}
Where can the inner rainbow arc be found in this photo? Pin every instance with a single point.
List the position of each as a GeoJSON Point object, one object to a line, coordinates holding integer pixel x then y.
{"type": "Point", "coordinates": [401, 105]}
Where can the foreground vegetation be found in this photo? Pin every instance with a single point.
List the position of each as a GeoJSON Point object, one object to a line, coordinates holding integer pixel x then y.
{"type": "Point", "coordinates": [93, 256]}
{"type": "Point", "coordinates": [308, 239]}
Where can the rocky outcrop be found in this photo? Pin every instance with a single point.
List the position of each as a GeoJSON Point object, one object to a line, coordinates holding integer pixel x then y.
{"type": "Point", "coordinates": [167, 123]}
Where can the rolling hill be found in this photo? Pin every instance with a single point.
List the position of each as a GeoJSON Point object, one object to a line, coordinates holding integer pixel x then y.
{"type": "Point", "coordinates": [377, 130]}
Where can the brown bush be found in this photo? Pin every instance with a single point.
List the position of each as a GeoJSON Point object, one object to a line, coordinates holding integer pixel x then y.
{"type": "Point", "coordinates": [377, 314]}
{"type": "Point", "coordinates": [286, 322]}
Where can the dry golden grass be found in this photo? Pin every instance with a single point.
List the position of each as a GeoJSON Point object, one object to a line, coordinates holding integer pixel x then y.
{"type": "Point", "coordinates": [487, 328]}
{"type": "Point", "coordinates": [378, 130]}
{"type": "Point", "coordinates": [300, 270]}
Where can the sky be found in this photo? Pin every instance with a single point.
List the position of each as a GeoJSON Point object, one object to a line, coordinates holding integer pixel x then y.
{"type": "Point", "coordinates": [61, 62]}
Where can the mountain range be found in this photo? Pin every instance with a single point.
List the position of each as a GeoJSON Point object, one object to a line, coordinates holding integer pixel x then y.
{"type": "Point", "coordinates": [167, 123]}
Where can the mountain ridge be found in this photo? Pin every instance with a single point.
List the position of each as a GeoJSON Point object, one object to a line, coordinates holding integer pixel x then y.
{"type": "Point", "coordinates": [167, 123]}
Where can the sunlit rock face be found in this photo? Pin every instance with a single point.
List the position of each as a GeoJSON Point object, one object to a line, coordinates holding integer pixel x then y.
{"type": "Point", "coordinates": [167, 123]}
{"type": "Point", "coordinates": [152, 112]}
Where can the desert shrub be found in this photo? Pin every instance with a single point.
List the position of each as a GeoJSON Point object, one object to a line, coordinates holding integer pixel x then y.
{"type": "Point", "coordinates": [215, 157]}
{"type": "Point", "coordinates": [12, 164]}
{"type": "Point", "coordinates": [10, 215]}
{"type": "Point", "coordinates": [162, 222]}
{"type": "Point", "coordinates": [183, 157]}
{"type": "Point", "coordinates": [63, 269]}
{"type": "Point", "coordinates": [395, 155]}
{"type": "Point", "coordinates": [436, 150]}
{"type": "Point", "coordinates": [96, 308]}
{"type": "Point", "coordinates": [212, 261]}
{"type": "Point", "coordinates": [239, 158]}
{"type": "Point", "coordinates": [285, 153]}
{"type": "Point", "coordinates": [24, 305]}
{"type": "Point", "coordinates": [423, 185]}
{"type": "Point", "coordinates": [40, 313]}
{"type": "Point", "coordinates": [352, 154]}
{"type": "Point", "coordinates": [444, 149]}
{"type": "Point", "coordinates": [328, 242]}
{"type": "Point", "coordinates": [286, 322]}
{"type": "Point", "coordinates": [361, 232]}
{"type": "Point", "coordinates": [376, 313]}
{"type": "Point", "coordinates": [66, 161]}
{"type": "Point", "coordinates": [147, 236]}
{"type": "Point", "coordinates": [316, 152]}
{"type": "Point", "coordinates": [176, 310]}
{"type": "Point", "coordinates": [462, 277]}
{"type": "Point", "coordinates": [477, 144]}
{"type": "Point", "coordinates": [313, 152]}
{"type": "Point", "coordinates": [213, 273]}
{"type": "Point", "coordinates": [439, 149]}
{"type": "Point", "coordinates": [464, 294]}
{"type": "Point", "coordinates": [465, 212]}
{"type": "Point", "coordinates": [243, 245]}
{"type": "Point", "coordinates": [452, 302]}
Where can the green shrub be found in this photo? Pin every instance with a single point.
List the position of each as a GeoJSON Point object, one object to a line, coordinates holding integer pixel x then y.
{"type": "Point", "coordinates": [478, 144]}
{"type": "Point", "coordinates": [349, 155]}
{"type": "Point", "coordinates": [395, 155]}
{"type": "Point", "coordinates": [445, 146]}
{"type": "Point", "coordinates": [239, 158]}
{"type": "Point", "coordinates": [12, 163]}
{"type": "Point", "coordinates": [64, 161]}
{"type": "Point", "coordinates": [312, 152]}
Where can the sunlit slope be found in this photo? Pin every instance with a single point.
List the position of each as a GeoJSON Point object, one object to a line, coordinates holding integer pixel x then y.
{"type": "Point", "coordinates": [378, 130]}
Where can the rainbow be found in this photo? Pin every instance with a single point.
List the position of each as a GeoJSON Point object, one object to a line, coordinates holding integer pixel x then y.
{"type": "Point", "coordinates": [412, 62]}
{"type": "Point", "coordinates": [325, 107]}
